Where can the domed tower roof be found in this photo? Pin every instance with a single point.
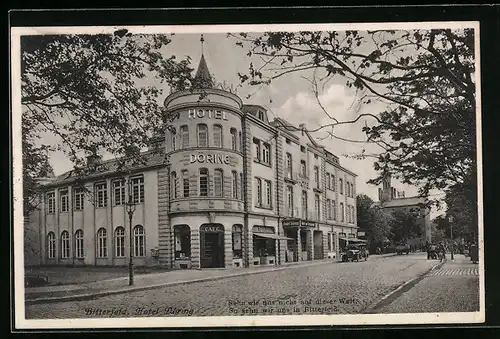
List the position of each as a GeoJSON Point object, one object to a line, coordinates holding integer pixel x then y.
{"type": "Point", "coordinates": [203, 79]}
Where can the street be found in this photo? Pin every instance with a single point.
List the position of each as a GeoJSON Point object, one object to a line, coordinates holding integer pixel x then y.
{"type": "Point", "coordinates": [332, 288]}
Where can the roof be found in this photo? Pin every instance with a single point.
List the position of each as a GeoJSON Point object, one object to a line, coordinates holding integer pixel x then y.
{"type": "Point", "coordinates": [203, 79]}
{"type": "Point", "coordinates": [112, 166]}
{"type": "Point", "coordinates": [401, 202]}
{"type": "Point", "coordinates": [252, 109]}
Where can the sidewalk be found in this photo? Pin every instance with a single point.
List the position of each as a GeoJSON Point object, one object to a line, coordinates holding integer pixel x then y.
{"type": "Point", "coordinates": [96, 289]}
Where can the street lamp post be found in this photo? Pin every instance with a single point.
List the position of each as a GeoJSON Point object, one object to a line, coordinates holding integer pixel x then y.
{"type": "Point", "coordinates": [130, 210]}
{"type": "Point", "coordinates": [451, 234]}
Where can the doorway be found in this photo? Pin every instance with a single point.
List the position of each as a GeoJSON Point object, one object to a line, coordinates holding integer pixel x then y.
{"type": "Point", "coordinates": [212, 246]}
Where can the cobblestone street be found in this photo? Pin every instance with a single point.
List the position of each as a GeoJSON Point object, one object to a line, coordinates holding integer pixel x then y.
{"type": "Point", "coordinates": [332, 288]}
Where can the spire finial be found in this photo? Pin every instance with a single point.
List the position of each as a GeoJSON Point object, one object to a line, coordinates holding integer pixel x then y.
{"type": "Point", "coordinates": [202, 40]}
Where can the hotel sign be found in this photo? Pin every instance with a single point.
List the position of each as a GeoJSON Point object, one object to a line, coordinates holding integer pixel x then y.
{"type": "Point", "coordinates": [211, 158]}
{"type": "Point", "coordinates": [207, 113]}
{"type": "Point", "coordinates": [298, 222]}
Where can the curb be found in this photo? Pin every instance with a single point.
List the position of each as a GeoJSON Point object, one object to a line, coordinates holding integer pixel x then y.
{"type": "Point", "coordinates": [408, 284]}
{"type": "Point", "coordinates": [89, 296]}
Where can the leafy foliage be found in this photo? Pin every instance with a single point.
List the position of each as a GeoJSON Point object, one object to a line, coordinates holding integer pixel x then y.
{"type": "Point", "coordinates": [405, 225]}
{"type": "Point", "coordinates": [375, 221]}
{"type": "Point", "coordinates": [425, 78]}
{"type": "Point", "coordinates": [94, 93]}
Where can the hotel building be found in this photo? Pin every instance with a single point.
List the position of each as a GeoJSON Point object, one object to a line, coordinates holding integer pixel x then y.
{"type": "Point", "coordinates": [224, 187]}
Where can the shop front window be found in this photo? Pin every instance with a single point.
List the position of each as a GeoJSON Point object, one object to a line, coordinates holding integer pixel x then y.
{"type": "Point", "coordinates": [182, 234]}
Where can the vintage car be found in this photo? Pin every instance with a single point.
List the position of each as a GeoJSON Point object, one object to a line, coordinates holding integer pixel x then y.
{"type": "Point", "coordinates": [403, 248]}
{"type": "Point", "coordinates": [354, 252]}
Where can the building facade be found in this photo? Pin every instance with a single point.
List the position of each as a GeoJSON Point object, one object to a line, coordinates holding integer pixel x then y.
{"type": "Point", "coordinates": [224, 187]}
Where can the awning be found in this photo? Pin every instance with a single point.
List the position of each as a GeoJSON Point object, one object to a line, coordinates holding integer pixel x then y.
{"type": "Point", "coordinates": [272, 236]}
{"type": "Point", "coordinates": [353, 239]}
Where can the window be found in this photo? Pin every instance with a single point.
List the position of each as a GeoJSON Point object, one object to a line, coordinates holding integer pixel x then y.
{"type": "Point", "coordinates": [174, 185]}
{"type": "Point", "coordinates": [334, 208]}
{"type": "Point", "coordinates": [235, 184]}
{"type": "Point", "coordinates": [202, 135]}
{"type": "Point", "coordinates": [182, 245]}
{"type": "Point", "coordinates": [328, 209]}
{"type": "Point", "coordinates": [79, 244]}
{"type": "Point", "coordinates": [289, 199]}
{"type": "Point", "coordinates": [288, 141]}
{"type": "Point", "coordinates": [78, 199]}
{"type": "Point", "coordinates": [352, 190]}
{"type": "Point", "coordinates": [174, 140]}
{"type": "Point", "coordinates": [317, 207]}
{"type": "Point", "coordinates": [64, 245]}
{"type": "Point", "coordinates": [185, 183]}
{"type": "Point", "coordinates": [233, 139]}
{"type": "Point", "coordinates": [218, 189]}
{"type": "Point", "coordinates": [119, 192]}
{"type": "Point", "coordinates": [237, 237]}
{"type": "Point", "coordinates": [139, 241]}
{"type": "Point", "coordinates": [341, 186]}
{"type": "Point", "coordinates": [289, 165]}
{"type": "Point", "coordinates": [184, 136]}
{"type": "Point", "coordinates": [348, 213]}
{"type": "Point", "coordinates": [51, 242]}
{"type": "Point", "coordinates": [241, 141]}
{"type": "Point", "coordinates": [203, 182]}
{"type": "Point", "coordinates": [119, 242]}
{"type": "Point", "coordinates": [303, 149]}
{"type": "Point", "coordinates": [334, 183]}
{"type": "Point", "coordinates": [303, 168]}
{"type": "Point", "coordinates": [353, 211]}
{"type": "Point", "coordinates": [347, 189]}
{"type": "Point", "coordinates": [258, 184]}
{"type": "Point", "coordinates": [102, 243]}
{"type": "Point", "coordinates": [329, 242]}
{"type": "Point", "coordinates": [51, 202]}
{"type": "Point", "coordinates": [261, 115]}
{"type": "Point", "coordinates": [266, 154]}
{"type": "Point", "coordinates": [328, 184]}
{"type": "Point", "coordinates": [342, 212]}
{"type": "Point", "coordinates": [217, 135]}
{"type": "Point", "coordinates": [138, 189]}
{"type": "Point", "coordinates": [269, 198]}
{"type": "Point", "coordinates": [316, 176]}
{"type": "Point", "coordinates": [241, 186]}
{"type": "Point", "coordinates": [256, 147]}
{"type": "Point", "coordinates": [102, 194]}
{"type": "Point", "coordinates": [304, 204]}
{"type": "Point", "coordinates": [64, 199]}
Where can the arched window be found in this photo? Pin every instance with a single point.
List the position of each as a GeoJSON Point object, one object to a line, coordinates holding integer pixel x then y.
{"type": "Point", "coordinates": [174, 185]}
{"type": "Point", "coordinates": [185, 183]}
{"type": "Point", "coordinates": [240, 142]}
{"type": "Point", "coordinates": [51, 242]}
{"type": "Point", "coordinates": [218, 186]}
{"type": "Point", "coordinates": [102, 243]}
{"type": "Point", "coordinates": [202, 135]}
{"type": "Point", "coordinates": [217, 135]}
{"type": "Point", "coordinates": [79, 244]}
{"type": "Point", "coordinates": [182, 245]}
{"type": "Point", "coordinates": [234, 142]}
{"type": "Point", "coordinates": [203, 182]}
{"type": "Point", "coordinates": [237, 248]}
{"type": "Point", "coordinates": [184, 136]}
{"type": "Point", "coordinates": [139, 241]}
{"type": "Point", "coordinates": [64, 245]}
{"type": "Point", "coordinates": [119, 242]}
{"type": "Point", "coordinates": [174, 140]}
{"type": "Point", "coordinates": [235, 185]}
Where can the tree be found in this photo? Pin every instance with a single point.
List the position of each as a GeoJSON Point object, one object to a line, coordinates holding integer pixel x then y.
{"type": "Point", "coordinates": [91, 92]}
{"type": "Point", "coordinates": [374, 220]}
{"type": "Point", "coordinates": [424, 78]}
{"type": "Point", "coordinates": [405, 226]}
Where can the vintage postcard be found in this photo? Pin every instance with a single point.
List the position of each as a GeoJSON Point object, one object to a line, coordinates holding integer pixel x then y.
{"type": "Point", "coordinates": [247, 175]}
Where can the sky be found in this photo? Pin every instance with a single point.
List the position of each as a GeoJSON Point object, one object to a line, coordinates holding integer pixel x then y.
{"type": "Point", "coordinates": [289, 97]}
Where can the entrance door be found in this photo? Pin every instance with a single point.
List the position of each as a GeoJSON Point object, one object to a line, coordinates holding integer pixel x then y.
{"type": "Point", "coordinates": [318, 244]}
{"type": "Point", "coordinates": [212, 247]}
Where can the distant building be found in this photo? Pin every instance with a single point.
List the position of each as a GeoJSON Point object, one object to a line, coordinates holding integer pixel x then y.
{"type": "Point", "coordinates": [223, 187]}
{"type": "Point", "coordinates": [392, 200]}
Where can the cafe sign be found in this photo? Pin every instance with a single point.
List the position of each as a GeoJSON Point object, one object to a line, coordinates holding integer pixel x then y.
{"type": "Point", "coordinates": [298, 222]}
{"type": "Point", "coordinates": [211, 158]}
{"type": "Point", "coordinates": [212, 228]}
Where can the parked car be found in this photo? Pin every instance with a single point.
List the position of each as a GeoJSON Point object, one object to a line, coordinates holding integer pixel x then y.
{"type": "Point", "coordinates": [355, 252]}
{"type": "Point", "coordinates": [403, 248]}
